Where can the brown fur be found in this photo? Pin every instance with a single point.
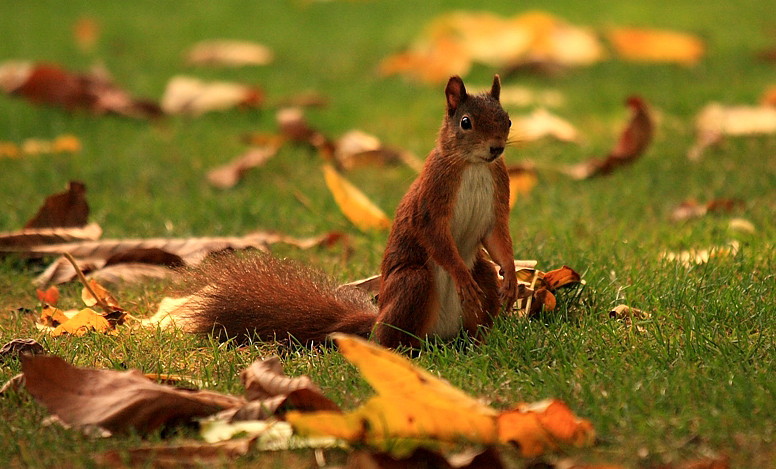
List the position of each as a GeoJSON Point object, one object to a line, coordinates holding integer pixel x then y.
{"type": "Point", "coordinates": [258, 295]}
{"type": "Point", "coordinates": [421, 234]}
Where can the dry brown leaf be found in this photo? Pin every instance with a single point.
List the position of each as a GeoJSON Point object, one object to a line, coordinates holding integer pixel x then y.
{"type": "Point", "coordinates": [228, 175]}
{"type": "Point", "coordinates": [63, 210]}
{"type": "Point", "coordinates": [16, 241]}
{"type": "Point", "coordinates": [539, 124]}
{"type": "Point", "coordinates": [120, 255]}
{"type": "Point", "coordinates": [113, 400]}
{"type": "Point", "coordinates": [690, 208]}
{"type": "Point", "coordinates": [17, 347]}
{"type": "Point", "coordinates": [716, 121]}
{"type": "Point", "coordinates": [192, 96]}
{"type": "Point", "coordinates": [361, 211]}
{"type": "Point", "coordinates": [656, 45]}
{"type": "Point", "coordinates": [627, 313]}
{"type": "Point", "coordinates": [633, 141]}
{"type": "Point", "coordinates": [229, 53]}
{"type": "Point", "coordinates": [270, 392]}
{"type": "Point", "coordinates": [52, 85]}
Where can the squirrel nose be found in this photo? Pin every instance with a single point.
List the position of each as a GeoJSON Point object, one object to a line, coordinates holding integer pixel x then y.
{"type": "Point", "coordinates": [496, 151]}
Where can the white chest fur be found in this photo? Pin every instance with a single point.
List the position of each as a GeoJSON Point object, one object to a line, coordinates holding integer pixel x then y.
{"type": "Point", "coordinates": [473, 217]}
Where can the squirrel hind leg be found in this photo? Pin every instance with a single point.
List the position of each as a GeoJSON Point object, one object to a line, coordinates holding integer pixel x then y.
{"type": "Point", "coordinates": [484, 273]}
{"type": "Point", "coordinates": [408, 307]}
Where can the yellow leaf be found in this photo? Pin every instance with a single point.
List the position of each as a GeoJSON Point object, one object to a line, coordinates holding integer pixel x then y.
{"type": "Point", "coordinates": [361, 211]}
{"type": "Point", "coordinates": [655, 45]}
{"type": "Point", "coordinates": [85, 321]}
{"type": "Point", "coordinates": [412, 406]}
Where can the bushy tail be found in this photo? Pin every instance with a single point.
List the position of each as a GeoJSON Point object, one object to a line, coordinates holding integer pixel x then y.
{"type": "Point", "coordinates": [255, 295]}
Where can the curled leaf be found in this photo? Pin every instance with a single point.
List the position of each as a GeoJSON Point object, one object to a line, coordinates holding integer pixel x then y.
{"type": "Point", "coordinates": [361, 211]}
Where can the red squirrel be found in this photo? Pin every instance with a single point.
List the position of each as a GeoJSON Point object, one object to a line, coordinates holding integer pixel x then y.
{"type": "Point", "coordinates": [436, 279]}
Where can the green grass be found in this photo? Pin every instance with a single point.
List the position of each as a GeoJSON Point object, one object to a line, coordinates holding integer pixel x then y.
{"type": "Point", "coordinates": [695, 379]}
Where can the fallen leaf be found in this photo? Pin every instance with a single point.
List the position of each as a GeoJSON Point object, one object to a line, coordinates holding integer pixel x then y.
{"type": "Point", "coordinates": [104, 297]}
{"type": "Point", "coordinates": [17, 347]}
{"type": "Point", "coordinates": [270, 392]}
{"type": "Point", "coordinates": [18, 241]}
{"type": "Point", "coordinates": [51, 316]}
{"type": "Point", "coordinates": [539, 124]}
{"type": "Point", "coordinates": [49, 296]}
{"type": "Point", "coordinates": [63, 210]}
{"type": "Point", "coordinates": [117, 401]}
{"type": "Point", "coordinates": [627, 314]}
{"type": "Point", "coordinates": [557, 43]}
{"type": "Point", "coordinates": [656, 45]}
{"type": "Point", "coordinates": [84, 322]}
{"type": "Point", "coordinates": [522, 180]}
{"type": "Point", "coordinates": [122, 258]}
{"type": "Point", "coordinates": [716, 121]}
{"type": "Point", "coordinates": [535, 288]}
{"type": "Point", "coordinates": [356, 149]}
{"type": "Point", "coordinates": [361, 211]}
{"type": "Point", "coordinates": [86, 32]}
{"type": "Point", "coordinates": [52, 85]}
{"type": "Point", "coordinates": [16, 383]}
{"type": "Point", "coordinates": [229, 53]}
{"type": "Point", "coordinates": [431, 61]}
{"type": "Point", "coordinates": [701, 256]}
{"type": "Point", "coordinates": [769, 97]}
{"type": "Point", "coordinates": [521, 96]}
{"type": "Point", "coordinates": [228, 175]}
{"type": "Point", "coordinates": [413, 405]}
{"type": "Point", "coordinates": [742, 225]}
{"type": "Point", "coordinates": [633, 141]}
{"type": "Point", "coordinates": [191, 96]}
{"type": "Point", "coordinates": [690, 208]}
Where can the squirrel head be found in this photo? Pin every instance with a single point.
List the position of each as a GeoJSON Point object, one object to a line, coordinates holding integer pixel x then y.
{"type": "Point", "coordinates": [476, 127]}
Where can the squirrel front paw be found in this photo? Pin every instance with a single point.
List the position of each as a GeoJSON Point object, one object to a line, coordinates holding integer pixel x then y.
{"type": "Point", "coordinates": [470, 295]}
{"type": "Point", "coordinates": [508, 290]}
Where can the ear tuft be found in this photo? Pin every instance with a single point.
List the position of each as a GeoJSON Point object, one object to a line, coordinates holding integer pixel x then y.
{"type": "Point", "coordinates": [495, 89]}
{"type": "Point", "coordinates": [455, 93]}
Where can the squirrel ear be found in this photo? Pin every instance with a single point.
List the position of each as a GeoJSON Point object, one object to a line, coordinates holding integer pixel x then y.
{"type": "Point", "coordinates": [455, 93]}
{"type": "Point", "coordinates": [495, 89]}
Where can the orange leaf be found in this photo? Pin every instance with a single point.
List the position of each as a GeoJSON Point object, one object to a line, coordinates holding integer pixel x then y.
{"type": "Point", "coordinates": [104, 296]}
{"type": "Point", "coordinates": [361, 211]}
{"type": "Point", "coordinates": [655, 45]}
{"type": "Point", "coordinates": [50, 296]}
{"type": "Point", "coordinates": [85, 321]}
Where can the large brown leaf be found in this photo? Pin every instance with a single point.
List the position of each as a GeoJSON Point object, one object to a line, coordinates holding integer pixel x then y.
{"type": "Point", "coordinates": [117, 401]}
{"type": "Point", "coordinates": [53, 85]}
{"type": "Point", "coordinates": [632, 143]}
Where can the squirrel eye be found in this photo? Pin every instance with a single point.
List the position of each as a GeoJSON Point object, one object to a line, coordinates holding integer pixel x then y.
{"type": "Point", "coordinates": [466, 123]}
{"type": "Point", "coordinates": [510, 123]}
